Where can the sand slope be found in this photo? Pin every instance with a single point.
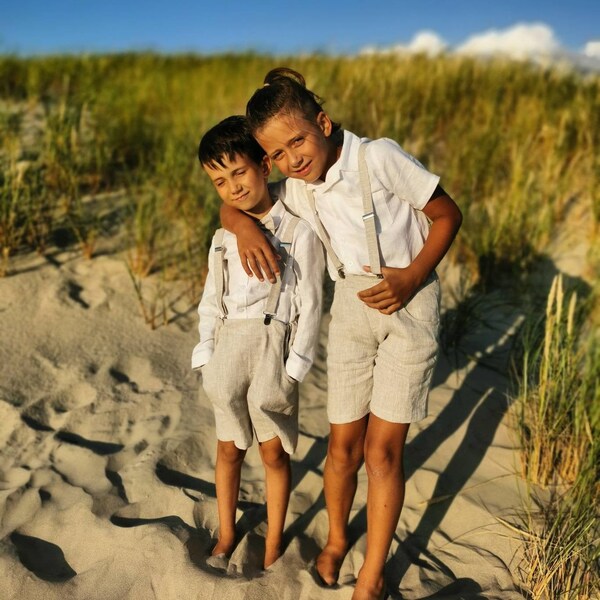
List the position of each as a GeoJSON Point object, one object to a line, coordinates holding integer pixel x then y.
{"type": "Point", "coordinates": [107, 456]}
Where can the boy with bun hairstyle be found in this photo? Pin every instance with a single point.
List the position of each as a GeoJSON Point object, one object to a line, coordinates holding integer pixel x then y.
{"type": "Point", "coordinates": [385, 223]}
{"type": "Point", "coordinates": [257, 340]}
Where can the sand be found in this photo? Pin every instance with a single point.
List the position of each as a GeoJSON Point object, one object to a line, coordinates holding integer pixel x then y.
{"type": "Point", "coordinates": [108, 451]}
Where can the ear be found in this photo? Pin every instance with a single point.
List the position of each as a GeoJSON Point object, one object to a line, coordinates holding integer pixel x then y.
{"type": "Point", "coordinates": [324, 123]}
{"type": "Point", "coordinates": [266, 166]}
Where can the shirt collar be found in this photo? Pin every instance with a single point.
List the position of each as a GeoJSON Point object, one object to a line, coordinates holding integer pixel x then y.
{"type": "Point", "coordinates": [271, 221]}
{"type": "Point", "coordinates": [347, 161]}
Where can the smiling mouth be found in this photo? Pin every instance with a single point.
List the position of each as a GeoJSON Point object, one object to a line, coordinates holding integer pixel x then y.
{"type": "Point", "coordinates": [242, 197]}
{"type": "Point", "coordinates": [304, 170]}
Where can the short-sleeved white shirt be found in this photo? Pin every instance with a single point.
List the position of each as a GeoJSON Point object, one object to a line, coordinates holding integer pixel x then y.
{"type": "Point", "coordinates": [401, 187]}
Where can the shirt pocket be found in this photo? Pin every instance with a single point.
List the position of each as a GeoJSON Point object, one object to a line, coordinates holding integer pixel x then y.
{"type": "Point", "coordinates": [383, 214]}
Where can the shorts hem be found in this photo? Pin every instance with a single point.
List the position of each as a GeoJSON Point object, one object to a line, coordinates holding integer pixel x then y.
{"type": "Point", "coordinates": [392, 418]}
{"type": "Point", "coordinates": [344, 420]}
{"type": "Point", "coordinates": [237, 444]}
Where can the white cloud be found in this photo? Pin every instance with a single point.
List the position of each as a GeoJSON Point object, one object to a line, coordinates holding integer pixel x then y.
{"type": "Point", "coordinates": [424, 42]}
{"type": "Point", "coordinates": [427, 42]}
{"type": "Point", "coordinates": [519, 41]}
{"type": "Point", "coordinates": [522, 41]}
{"type": "Point", "coordinates": [592, 49]}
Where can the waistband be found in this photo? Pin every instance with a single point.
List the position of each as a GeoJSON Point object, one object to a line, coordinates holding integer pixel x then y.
{"type": "Point", "coordinates": [366, 281]}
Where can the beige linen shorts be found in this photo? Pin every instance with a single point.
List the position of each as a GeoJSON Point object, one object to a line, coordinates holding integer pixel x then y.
{"type": "Point", "coordinates": [246, 381]}
{"type": "Point", "coordinates": [379, 363]}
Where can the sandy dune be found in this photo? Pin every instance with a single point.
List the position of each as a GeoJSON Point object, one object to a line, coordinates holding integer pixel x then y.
{"type": "Point", "coordinates": [107, 456]}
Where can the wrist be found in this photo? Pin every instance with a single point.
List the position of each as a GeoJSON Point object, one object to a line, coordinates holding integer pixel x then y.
{"type": "Point", "coordinates": [417, 274]}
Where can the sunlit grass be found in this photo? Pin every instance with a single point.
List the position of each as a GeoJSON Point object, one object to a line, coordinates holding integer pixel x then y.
{"type": "Point", "coordinates": [516, 145]}
{"type": "Point", "coordinates": [558, 421]}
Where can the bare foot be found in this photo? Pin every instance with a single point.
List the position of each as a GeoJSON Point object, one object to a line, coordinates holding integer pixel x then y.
{"type": "Point", "coordinates": [223, 546]}
{"type": "Point", "coordinates": [369, 590]}
{"type": "Point", "coordinates": [330, 561]}
{"type": "Point", "coordinates": [272, 553]}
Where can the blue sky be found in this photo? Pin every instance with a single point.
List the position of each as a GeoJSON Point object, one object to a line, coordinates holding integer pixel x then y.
{"type": "Point", "coordinates": [209, 26]}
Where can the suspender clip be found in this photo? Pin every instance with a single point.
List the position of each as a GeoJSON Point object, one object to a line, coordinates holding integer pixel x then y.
{"type": "Point", "coordinates": [369, 215]}
{"type": "Point", "coordinates": [218, 248]}
{"type": "Point", "coordinates": [267, 319]}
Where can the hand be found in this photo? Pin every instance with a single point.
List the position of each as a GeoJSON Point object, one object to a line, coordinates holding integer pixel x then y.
{"type": "Point", "coordinates": [257, 254]}
{"type": "Point", "coordinates": [392, 292]}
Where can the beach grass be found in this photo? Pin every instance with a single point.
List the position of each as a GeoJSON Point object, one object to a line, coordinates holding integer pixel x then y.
{"type": "Point", "coordinates": [558, 421]}
{"type": "Point", "coordinates": [516, 145]}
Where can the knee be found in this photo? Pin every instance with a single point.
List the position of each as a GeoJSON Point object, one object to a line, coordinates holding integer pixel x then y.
{"type": "Point", "coordinates": [230, 453]}
{"type": "Point", "coordinates": [382, 461]}
{"type": "Point", "coordinates": [345, 457]}
{"type": "Point", "coordinates": [274, 457]}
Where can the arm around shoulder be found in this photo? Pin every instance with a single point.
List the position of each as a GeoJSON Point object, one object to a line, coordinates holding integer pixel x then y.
{"type": "Point", "coordinates": [257, 255]}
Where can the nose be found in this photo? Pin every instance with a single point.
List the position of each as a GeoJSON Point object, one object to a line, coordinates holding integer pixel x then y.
{"type": "Point", "coordinates": [235, 187]}
{"type": "Point", "coordinates": [295, 160]}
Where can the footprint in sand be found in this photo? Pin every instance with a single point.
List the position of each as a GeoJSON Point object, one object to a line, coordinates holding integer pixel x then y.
{"type": "Point", "coordinates": [137, 372]}
{"type": "Point", "coordinates": [86, 294]}
{"type": "Point", "coordinates": [53, 411]}
{"type": "Point", "coordinates": [82, 468]}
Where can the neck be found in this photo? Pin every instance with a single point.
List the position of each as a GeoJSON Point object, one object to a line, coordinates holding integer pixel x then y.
{"type": "Point", "coordinates": [336, 142]}
{"type": "Point", "coordinates": [259, 210]}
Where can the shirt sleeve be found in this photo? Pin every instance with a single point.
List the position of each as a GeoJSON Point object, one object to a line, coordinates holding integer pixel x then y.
{"type": "Point", "coordinates": [309, 264]}
{"type": "Point", "coordinates": [401, 173]}
{"type": "Point", "coordinates": [208, 313]}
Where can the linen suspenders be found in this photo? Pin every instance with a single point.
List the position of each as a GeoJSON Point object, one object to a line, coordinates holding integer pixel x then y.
{"type": "Point", "coordinates": [368, 220]}
{"type": "Point", "coordinates": [285, 245]}
{"type": "Point", "coordinates": [219, 272]}
{"type": "Point", "coordinates": [337, 263]}
{"type": "Point", "coordinates": [368, 212]}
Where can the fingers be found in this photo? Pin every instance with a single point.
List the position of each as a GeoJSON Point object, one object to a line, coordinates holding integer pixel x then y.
{"type": "Point", "coordinates": [371, 292]}
{"type": "Point", "coordinates": [391, 309]}
{"type": "Point", "coordinates": [262, 266]}
{"type": "Point", "coordinates": [381, 297]}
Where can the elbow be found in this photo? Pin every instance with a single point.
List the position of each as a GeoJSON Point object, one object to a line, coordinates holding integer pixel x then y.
{"type": "Point", "coordinates": [458, 219]}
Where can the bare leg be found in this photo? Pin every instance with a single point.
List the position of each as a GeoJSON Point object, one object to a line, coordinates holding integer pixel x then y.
{"type": "Point", "coordinates": [278, 477]}
{"type": "Point", "coordinates": [384, 447]}
{"type": "Point", "coordinates": [344, 457]}
{"type": "Point", "coordinates": [227, 480]}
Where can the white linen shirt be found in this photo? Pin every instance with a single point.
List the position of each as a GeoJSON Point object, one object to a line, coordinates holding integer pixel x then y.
{"type": "Point", "coordinates": [399, 184]}
{"type": "Point", "coordinates": [246, 297]}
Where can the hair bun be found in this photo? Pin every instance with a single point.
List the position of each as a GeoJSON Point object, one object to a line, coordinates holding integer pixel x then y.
{"type": "Point", "coordinates": [284, 75]}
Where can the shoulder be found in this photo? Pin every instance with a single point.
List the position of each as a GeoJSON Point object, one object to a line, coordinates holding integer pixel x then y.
{"type": "Point", "coordinates": [223, 238]}
{"type": "Point", "coordinates": [303, 232]}
{"type": "Point", "coordinates": [384, 150]}
{"type": "Point", "coordinates": [289, 191]}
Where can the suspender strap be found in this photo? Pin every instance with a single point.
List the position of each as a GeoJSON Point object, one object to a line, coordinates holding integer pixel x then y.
{"type": "Point", "coordinates": [219, 271]}
{"type": "Point", "coordinates": [337, 263]}
{"type": "Point", "coordinates": [285, 245]}
{"type": "Point", "coordinates": [368, 212]}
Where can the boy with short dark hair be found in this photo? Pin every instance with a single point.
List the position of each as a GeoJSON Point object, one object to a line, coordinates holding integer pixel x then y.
{"type": "Point", "coordinates": [257, 340]}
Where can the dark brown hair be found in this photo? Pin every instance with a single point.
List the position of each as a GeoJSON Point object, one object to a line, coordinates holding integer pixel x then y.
{"type": "Point", "coordinates": [284, 91]}
{"type": "Point", "coordinates": [228, 138]}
